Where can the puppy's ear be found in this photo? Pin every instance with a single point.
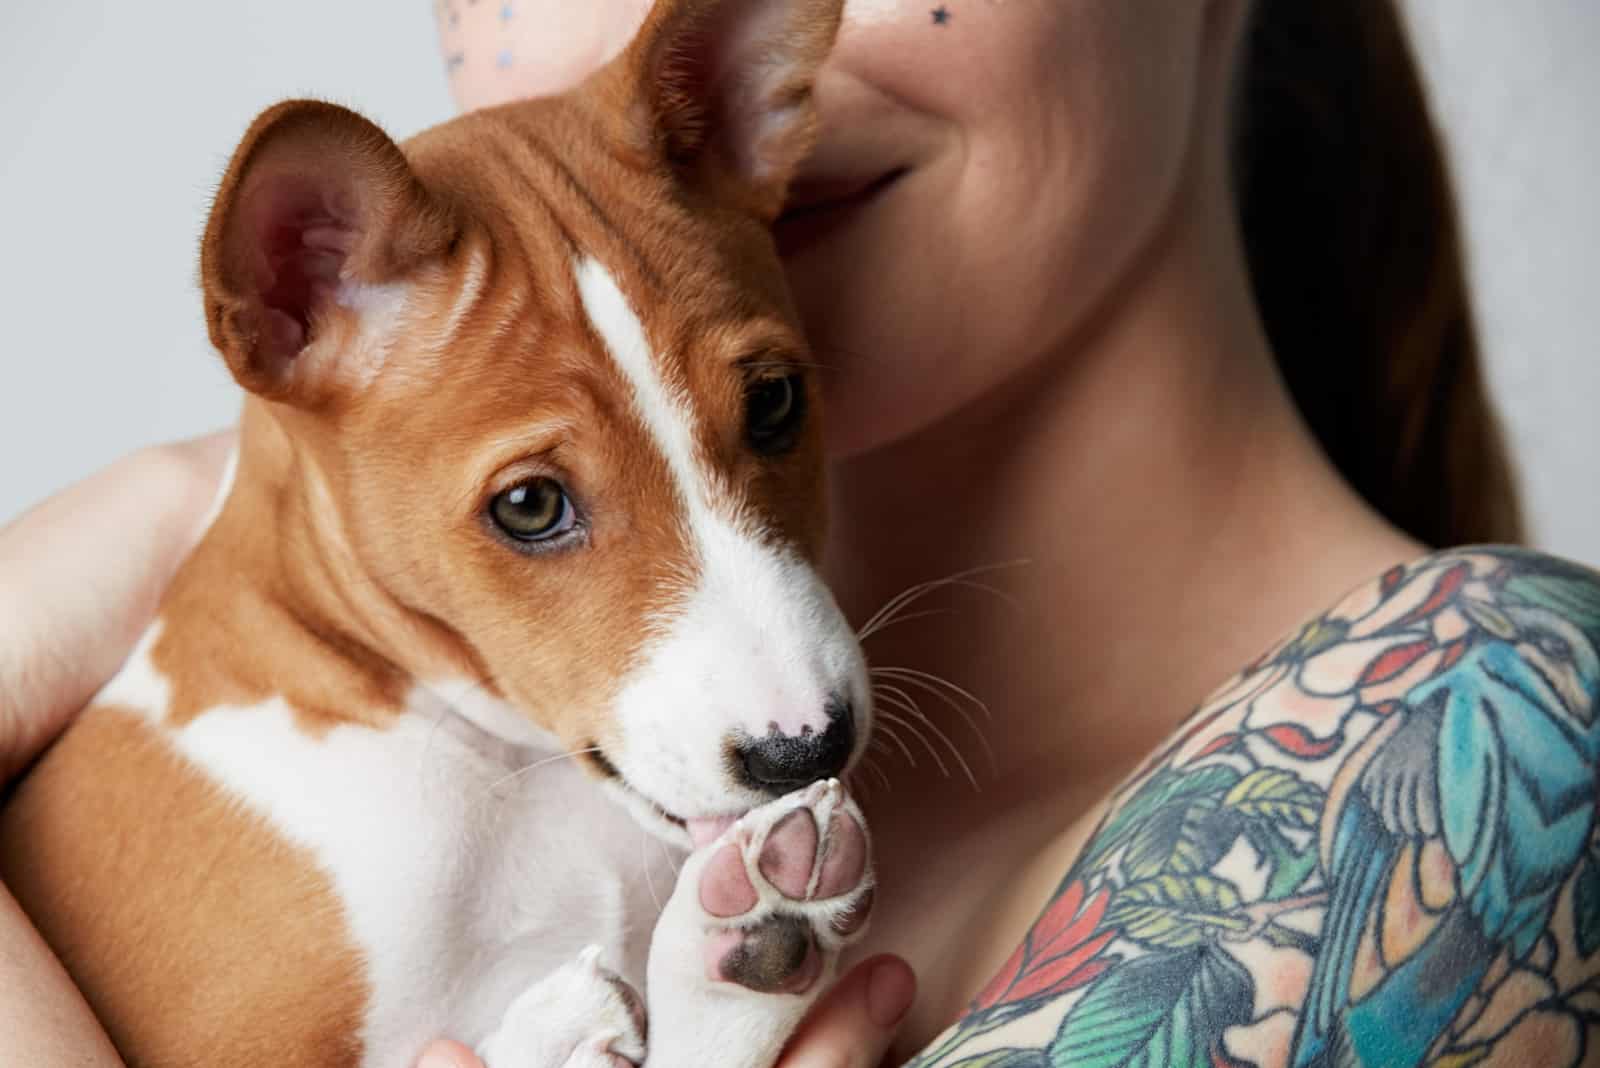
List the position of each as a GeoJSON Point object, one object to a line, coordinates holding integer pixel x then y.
{"type": "Point", "coordinates": [317, 210]}
{"type": "Point", "coordinates": [725, 88]}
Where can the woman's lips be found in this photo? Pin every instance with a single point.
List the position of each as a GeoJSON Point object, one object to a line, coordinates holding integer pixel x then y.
{"type": "Point", "coordinates": [818, 206]}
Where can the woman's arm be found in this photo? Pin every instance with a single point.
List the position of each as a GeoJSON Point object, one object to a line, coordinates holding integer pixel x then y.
{"type": "Point", "coordinates": [45, 1020]}
{"type": "Point", "coordinates": [1376, 846]}
{"type": "Point", "coordinates": [80, 576]}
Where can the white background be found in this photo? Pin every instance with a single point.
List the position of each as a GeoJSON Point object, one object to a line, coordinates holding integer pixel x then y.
{"type": "Point", "coordinates": [116, 118]}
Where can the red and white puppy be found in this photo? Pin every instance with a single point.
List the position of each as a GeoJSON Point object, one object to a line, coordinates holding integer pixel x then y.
{"type": "Point", "coordinates": [530, 469]}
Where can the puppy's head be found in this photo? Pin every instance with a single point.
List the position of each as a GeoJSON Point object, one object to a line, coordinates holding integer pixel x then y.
{"type": "Point", "coordinates": [545, 389]}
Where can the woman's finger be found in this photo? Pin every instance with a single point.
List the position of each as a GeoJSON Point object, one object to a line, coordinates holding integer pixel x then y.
{"type": "Point", "coordinates": [850, 1028]}
{"type": "Point", "coordinates": [449, 1055]}
{"type": "Point", "coordinates": [854, 1024]}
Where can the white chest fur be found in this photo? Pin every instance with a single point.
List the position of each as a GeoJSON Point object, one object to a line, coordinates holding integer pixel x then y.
{"type": "Point", "coordinates": [462, 880]}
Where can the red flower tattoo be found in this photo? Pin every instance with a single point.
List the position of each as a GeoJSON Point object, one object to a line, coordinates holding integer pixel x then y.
{"type": "Point", "coordinates": [1061, 953]}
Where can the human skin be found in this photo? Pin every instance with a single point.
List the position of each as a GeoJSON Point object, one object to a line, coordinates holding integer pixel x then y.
{"type": "Point", "coordinates": [1070, 316]}
{"type": "Point", "coordinates": [84, 572]}
{"type": "Point", "coordinates": [1040, 350]}
{"type": "Point", "coordinates": [1042, 358]}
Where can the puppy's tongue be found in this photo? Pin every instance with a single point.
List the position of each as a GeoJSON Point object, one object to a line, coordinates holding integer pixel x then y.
{"type": "Point", "coordinates": [704, 832]}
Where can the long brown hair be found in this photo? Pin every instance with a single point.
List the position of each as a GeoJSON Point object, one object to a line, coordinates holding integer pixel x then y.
{"type": "Point", "coordinates": [1355, 252]}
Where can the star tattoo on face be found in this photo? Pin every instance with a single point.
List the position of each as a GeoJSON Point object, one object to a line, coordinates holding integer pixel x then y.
{"type": "Point", "coordinates": [941, 16]}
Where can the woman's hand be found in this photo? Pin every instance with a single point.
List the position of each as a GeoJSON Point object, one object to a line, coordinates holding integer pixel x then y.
{"type": "Point", "coordinates": [80, 578]}
{"type": "Point", "coordinates": [81, 575]}
{"type": "Point", "coordinates": [850, 1028]}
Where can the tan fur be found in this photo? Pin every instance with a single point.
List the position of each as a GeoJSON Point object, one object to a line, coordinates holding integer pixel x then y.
{"type": "Point", "coordinates": [352, 559]}
{"type": "Point", "coordinates": [149, 895]}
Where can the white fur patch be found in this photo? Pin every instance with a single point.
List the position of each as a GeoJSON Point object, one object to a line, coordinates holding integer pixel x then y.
{"type": "Point", "coordinates": [380, 310]}
{"type": "Point", "coordinates": [462, 881]}
{"type": "Point", "coordinates": [139, 686]}
{"type": "Point", "coordinates": [666, 412]}
{"type": "Point", "coordinates": [471, 289]}
{"type": "Point", "coordinates": [758, 642]}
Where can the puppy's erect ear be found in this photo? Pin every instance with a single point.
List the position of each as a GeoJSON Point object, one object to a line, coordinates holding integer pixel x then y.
{"type": "Point", "coordinates": [317, 211]}
{"type": "Point", "coordinates": [726, 88]}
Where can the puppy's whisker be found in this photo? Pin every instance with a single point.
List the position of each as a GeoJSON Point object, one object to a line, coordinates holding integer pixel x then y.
{"type": "Point", "coordinates": [902, 599]}
{"type": "Point", "coordinates": [869, 764]}
{"type": "Point", "coordinates": [903, 617]}
{"type": "Point", "coordinates": [644, 862]}
{"type": "Point", "coordinates": [890, 608]}
{"type": "Point", "coordinates": [911, 707]}
{"type": "Point", "coordinates": [954, 750]}
{"type": "Point", "coordinates": [674, 865]}
{"type": "Point", "coordinates": [889, 735]}
{"type": "Point", "coordinates": [849, 354]}
{"type": "Point", "coordinates": [916, 592]}
{"type": "Point", "coordinates": [915, 732]}
{"type": "Point", "coordinates": [925, 682]}
{"type": "Point", "coordinates": [525, 769]}
{"type": "Point", "coordinates": [888, 784]}
{"type": "Point", "coordinates": [928, 678]}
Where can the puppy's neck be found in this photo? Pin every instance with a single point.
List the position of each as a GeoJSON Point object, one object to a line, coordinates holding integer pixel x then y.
{"type": "Point", "coordinates": [274, 602]}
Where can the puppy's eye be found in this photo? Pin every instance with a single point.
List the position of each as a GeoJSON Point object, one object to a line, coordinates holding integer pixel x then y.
{"type": "Point", "coordinates": [775, 409]}
{"type": "Point", "coordinates": [535, 510]}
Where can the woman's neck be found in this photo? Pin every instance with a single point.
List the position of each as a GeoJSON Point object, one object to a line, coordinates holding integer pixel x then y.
{"type": "Point", "coordinates": [1149, 506]}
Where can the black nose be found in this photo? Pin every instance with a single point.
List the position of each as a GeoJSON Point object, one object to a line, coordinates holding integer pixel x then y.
{"type": "Point", "coordinates": [780, 763]}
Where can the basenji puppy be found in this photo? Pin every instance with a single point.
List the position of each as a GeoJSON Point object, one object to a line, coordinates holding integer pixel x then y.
{"type": "Point", "coordinates": [509, 612]}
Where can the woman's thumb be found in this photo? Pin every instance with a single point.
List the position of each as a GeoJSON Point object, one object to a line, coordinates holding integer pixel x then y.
{"type": "Point", "coordinates": [851, 1027]}
{"type": "Point", "coordinates": [854, 1023]}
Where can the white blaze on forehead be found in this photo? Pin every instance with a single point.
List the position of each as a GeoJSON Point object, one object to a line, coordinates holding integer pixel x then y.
{"type": "Point", "coordinates": [757, 642]}
{"type": "Point", "coordinates": [666, 412]}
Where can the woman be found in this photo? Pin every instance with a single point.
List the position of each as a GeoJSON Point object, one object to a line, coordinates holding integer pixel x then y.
{"type": "Point", "coordinates": [1061, 364]}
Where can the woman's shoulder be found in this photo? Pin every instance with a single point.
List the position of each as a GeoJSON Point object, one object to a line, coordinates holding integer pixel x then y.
{"type": "Point", "coordinates": [1374, 845]}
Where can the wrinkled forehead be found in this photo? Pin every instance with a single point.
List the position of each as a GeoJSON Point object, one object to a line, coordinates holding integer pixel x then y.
{"type": "Point", "coordinates": [593, 301]}
{"type": "Point", "coordinates": [550, 192]}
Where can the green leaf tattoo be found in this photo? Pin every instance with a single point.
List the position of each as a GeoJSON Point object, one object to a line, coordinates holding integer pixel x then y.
{"type": "Point", "coordinates": [1378, 845]}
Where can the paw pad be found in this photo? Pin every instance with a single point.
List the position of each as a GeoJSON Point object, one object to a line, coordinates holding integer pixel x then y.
{"type": "Point", "coordinates": [789, 883]}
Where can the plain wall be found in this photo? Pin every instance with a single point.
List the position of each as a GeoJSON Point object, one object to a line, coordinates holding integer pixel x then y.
{"type": "Point", "coordinates": [1517, 88]}
{"type": "Point", "coordinates": [116, 120]}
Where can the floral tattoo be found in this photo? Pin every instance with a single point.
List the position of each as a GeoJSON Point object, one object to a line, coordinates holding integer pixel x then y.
{"type": "Point", "coordinates": [1375, 846]}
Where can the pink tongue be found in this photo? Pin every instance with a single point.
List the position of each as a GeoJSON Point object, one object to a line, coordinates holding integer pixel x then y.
{"type": "Point", "coordinates": [704, 832]}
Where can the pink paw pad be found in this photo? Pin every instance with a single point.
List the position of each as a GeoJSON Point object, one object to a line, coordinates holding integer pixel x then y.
{"type": "Point", "coordinates": [725, 887]}
{"type": "Point", "coordinates": [790, 854]}
{"type": "Point", "coordinates": [846, 859]}
{"type": "Point", "coordinates": [795, 872]}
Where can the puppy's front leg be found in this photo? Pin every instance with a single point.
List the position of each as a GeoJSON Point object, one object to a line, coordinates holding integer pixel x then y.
{"type": "Point", "coordinates": [579, 1016]}
{"type": "Point", "coordinates": [753, 931]}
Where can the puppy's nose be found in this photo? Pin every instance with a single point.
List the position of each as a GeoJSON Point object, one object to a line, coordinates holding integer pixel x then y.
{"type": "Point", "coordinates": [782, 762]}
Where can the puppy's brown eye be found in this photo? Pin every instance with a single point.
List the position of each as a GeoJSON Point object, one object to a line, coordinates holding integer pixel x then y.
{"type": "Point", "coordinates": [535, 510]}
{"type": "Point", "coordinates": [775, 409]}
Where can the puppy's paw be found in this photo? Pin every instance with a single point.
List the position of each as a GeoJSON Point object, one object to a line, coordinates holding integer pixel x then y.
{"type": "Point", "coordinates": [783, 889]}
{"type": "Point", "coordinates": [582, 1015]}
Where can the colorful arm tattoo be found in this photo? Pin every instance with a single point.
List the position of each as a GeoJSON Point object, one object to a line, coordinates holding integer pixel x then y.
{"type": "Point", "coordinates": [1375, 846]}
